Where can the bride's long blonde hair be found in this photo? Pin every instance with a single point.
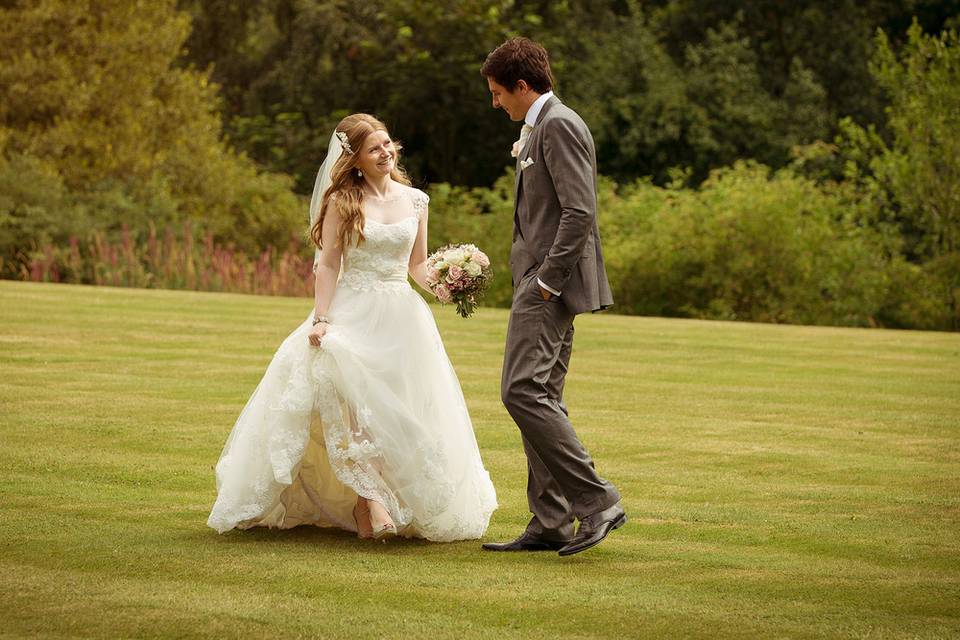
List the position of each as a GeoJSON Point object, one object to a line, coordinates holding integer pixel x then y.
{"type": "Point", "coordinates": [347, 185]}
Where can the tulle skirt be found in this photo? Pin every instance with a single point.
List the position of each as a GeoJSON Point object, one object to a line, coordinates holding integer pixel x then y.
{"type": "Point", "coordinates": [375, 411]}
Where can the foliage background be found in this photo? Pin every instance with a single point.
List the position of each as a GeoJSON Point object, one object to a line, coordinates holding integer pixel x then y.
{"type": "Point", "coordinates": [769, 161]}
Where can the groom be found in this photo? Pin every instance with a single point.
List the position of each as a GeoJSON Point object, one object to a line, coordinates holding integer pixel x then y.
{"type": "Point", "coordinates": [557, 269]}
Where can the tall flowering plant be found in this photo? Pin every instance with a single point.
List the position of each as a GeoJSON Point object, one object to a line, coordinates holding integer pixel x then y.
{"type": "Point", "coordinates": [459, 273]}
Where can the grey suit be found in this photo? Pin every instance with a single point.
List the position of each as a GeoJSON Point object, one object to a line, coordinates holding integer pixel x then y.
{"type": "Point", "coordinates": [556, 238]}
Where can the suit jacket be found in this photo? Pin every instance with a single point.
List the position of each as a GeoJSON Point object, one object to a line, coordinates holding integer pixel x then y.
{"type": "Point", "coordinates": [555, 230]}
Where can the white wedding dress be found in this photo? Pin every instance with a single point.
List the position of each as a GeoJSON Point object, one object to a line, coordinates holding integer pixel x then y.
{"type": "Point", "coordinates": [376, 411]}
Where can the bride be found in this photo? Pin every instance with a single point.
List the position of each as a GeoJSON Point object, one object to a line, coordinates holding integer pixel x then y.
{"type": "Point", "coordinates": [359, 421]}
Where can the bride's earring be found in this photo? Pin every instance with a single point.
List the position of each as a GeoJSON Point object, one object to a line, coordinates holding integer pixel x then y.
{"type": "Point", "coordinates": [359, 173]}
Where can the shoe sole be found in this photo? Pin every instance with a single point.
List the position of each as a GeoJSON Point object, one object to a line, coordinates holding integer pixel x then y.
{"type": "Point", "coordinates": [521, 550]}
{"type": "Point", "coordinates": [619, 522]}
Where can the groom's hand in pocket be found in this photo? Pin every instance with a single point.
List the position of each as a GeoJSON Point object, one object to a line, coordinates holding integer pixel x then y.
{"type": "Point", "coordinates": [543, 292]}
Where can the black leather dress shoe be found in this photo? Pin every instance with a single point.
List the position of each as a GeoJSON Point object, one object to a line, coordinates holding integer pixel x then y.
{"type": "Point", "coordinates": [526, 542]}
{"type": "Point", "coordinates": [594, 528]}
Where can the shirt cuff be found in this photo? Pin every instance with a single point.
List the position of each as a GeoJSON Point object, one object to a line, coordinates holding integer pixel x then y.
{"type": "Point", "coordinates": [550, 289]}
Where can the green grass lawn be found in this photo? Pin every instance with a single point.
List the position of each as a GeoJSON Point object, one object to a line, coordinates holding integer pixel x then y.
{"type": "Point", "coordinates": [780, 481]}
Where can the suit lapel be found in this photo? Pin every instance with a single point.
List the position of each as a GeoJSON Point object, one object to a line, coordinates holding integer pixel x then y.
{"type": "Point", "coordinates": [517, 183]}
{"type": "Point", "coordinates": [549, 104]}
{"type": "Point", "coordinates": [516, 178]}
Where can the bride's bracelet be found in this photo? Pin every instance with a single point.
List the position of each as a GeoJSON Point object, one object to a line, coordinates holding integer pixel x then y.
{"type": "Point", "coordinates": [318, 319]}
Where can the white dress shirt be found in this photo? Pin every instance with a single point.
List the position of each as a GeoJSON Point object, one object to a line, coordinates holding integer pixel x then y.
{"type": "Point", "coordinates": [534, 111]}
{"type": "Point", "coordinates": [531, 119]}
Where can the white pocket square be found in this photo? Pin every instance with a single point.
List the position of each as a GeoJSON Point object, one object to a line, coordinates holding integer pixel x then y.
{"type": "Point", "coordinates": [526, 163]}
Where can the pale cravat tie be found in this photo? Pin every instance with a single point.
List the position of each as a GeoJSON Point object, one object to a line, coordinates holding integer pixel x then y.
{"type": "Point", "coordinates": [519, 144]}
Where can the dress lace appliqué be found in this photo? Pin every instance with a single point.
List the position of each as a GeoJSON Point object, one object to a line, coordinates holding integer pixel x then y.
{"type": "Point", "coordinates": [380, 263]}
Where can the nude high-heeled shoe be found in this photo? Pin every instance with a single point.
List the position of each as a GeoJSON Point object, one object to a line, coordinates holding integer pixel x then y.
{"type": "Point", "coordinates": [380, 521]}
{"type": "Point", "coordinates": [361, 515]}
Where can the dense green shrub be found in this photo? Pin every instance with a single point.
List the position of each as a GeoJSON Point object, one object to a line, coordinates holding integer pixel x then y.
{"type": "Point", "coordinates": [33, 205]}
{"type": "Point", "coordinates": [747, 245]}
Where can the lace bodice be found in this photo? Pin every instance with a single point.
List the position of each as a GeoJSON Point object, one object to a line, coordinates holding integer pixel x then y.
{"type": "Point", "coordinates": [380, 262]}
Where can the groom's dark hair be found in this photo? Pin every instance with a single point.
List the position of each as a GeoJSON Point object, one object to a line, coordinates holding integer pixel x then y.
{"type": "Point", "coordinates": [519, 59]}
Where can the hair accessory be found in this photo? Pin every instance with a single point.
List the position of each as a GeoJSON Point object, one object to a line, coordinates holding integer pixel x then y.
{"type": "Point", "coordinates": [344, 142]}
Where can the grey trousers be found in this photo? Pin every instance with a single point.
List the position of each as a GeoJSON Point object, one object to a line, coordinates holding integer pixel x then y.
{"type": "Point", "coordinates": [562, 483]}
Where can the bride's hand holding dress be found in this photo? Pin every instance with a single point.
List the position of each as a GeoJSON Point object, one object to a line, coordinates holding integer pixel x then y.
{"type": "Point", "coordinates": [315, 337]}
{"type": "Point", "coordinates": [326, 271]}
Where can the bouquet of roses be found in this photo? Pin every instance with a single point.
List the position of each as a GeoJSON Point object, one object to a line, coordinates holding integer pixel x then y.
{"type": "Point", "coordinates": [459, 273]}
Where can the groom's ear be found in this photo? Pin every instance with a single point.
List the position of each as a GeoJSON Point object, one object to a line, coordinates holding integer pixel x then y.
{"type": "Point", "coordinates": [522, 87]}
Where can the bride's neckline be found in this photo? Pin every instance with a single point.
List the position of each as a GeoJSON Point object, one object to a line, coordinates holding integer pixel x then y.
{"type": "Point", "coordinates": [392, 198]}
{"type": "Point", "coordinates": [393, 194]}
{"type": "Point", "coordinates": [388, 224]}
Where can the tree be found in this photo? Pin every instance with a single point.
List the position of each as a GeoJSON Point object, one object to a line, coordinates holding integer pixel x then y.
{"type": "Point", "coordinates": [93, 96]}
{"type": "Point", "coordinates": [915, 178]}
{"type": "Point", "coordinates": [650, 113]}
{"type": "Point", "coordinates": [298, 67]}
{"type": "Point", "coordinates": [831, 38]}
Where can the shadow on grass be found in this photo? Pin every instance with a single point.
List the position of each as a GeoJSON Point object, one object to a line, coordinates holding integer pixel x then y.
{"type": "Point", "coordinates": [328, 539]}
{"type": "Point", "coordinates": [313, 537]}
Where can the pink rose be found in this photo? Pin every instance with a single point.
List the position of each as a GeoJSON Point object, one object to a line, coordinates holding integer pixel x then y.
{"type": "Point", "coordinates": [454, 273]}
{"type": "Point", "coordinates": [481, 259]}
{"type": "Point", "coordinates": [432, 274]}
{"type": "Point", "coordinates": [443, 293]}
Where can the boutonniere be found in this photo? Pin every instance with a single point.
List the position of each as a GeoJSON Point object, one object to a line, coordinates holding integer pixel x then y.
{"type": "Point", "coordinates": [526, 163]}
